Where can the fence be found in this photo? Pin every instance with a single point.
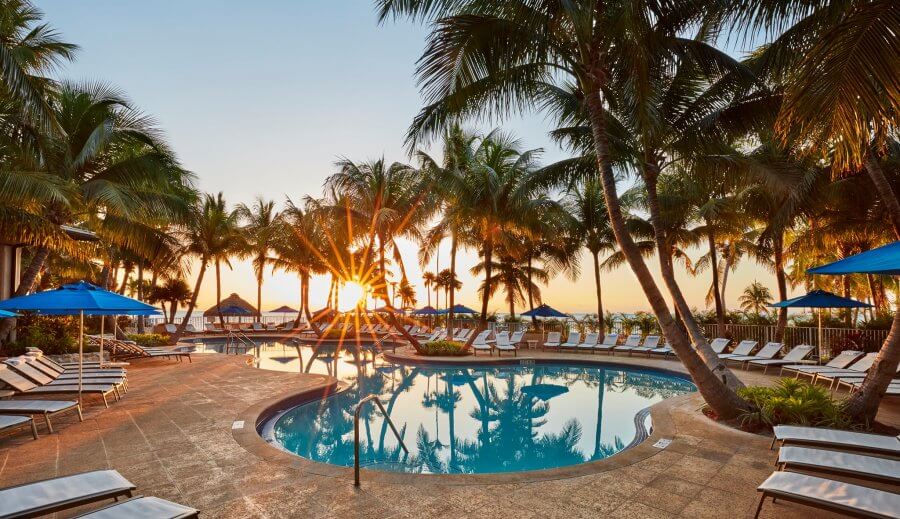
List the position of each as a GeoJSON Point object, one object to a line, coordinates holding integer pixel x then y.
{"type": "Point", "coordinates": [833, 339]}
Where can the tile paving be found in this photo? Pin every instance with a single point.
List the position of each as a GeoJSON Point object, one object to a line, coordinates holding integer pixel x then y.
{"type": "Point", "coordinates": [171, 435]}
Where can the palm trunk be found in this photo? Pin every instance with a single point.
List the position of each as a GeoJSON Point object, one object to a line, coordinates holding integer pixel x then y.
{"type": "Point", "coordinates": [488, 259]}
{"type": "Point", "coordinates": [848, 317]}
{"type": "Point", "coordinates": [259, 284]}
{"type": "Point", "coordinates": [684, 316]}
{"type": "Point", "coordinates": [725, 270]}
{"type": "Point", "coordinates": [219, 294]}
{"type": "Point", "coordinates": [190, 309]}
{"type": "Point", "coordinates": [781, 280]}
{"type": "Point", "coordinates": [530, 291]}
{"type": "Point", "coordinates": [863, 405]}
{"type": "Point", "coordinates": [26, 283]}
{"type": "Point", "coordinates": [452, 283]}
{"type": "Point", "coordinates": [140, 295]}
{"type": "Point", "coordinates": [714, 266]}
{"type": "Point", "coordinates": [721, 399]}
{"type": "Point", "coordinates": [600, 324]}
{"type": "Point", "coordinates": [302, 303]}
{"type": "Point", "coordinates": [885, 192]}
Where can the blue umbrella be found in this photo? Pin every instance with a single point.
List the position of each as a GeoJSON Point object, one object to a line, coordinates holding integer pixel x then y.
{"type": "Point", "coordinates": [428, 310]}
{"type": "Point", "coordinates": [81, 298]}
{"type": "Point", "coordinates": [544, 310]}
{"type": "Point", "coordinates": [459, 309]}
{"type": "Point", "coordinates": [4, 313]}
{"type": "Point", "coordinates": [884, 260]}
{"type": "Point", "coordinates": [820, 299]}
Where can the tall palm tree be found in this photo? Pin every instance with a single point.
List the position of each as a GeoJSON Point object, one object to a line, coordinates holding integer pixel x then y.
{"type": "Point", "coordinates": [428, 279]}
{"type": "Point", "coordinates": [591, 225]}
{"type": "Point", "coordinates": [493, 57]}
{"type": "Point", "coordinates": [174, 291]}
{"type": "Point", "coordinates": [517, 279]}
{"type": "Point", "coordinates": [756, 298]}
{"type": "Point", "coordinates": [261, 226]}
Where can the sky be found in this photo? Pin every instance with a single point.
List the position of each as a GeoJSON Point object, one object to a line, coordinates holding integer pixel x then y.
{"type": "Point", "coordinates": [261, 98]}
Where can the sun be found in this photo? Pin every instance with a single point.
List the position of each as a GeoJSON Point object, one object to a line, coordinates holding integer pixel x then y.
{"type": "Point", "coordinates": [351, 295]}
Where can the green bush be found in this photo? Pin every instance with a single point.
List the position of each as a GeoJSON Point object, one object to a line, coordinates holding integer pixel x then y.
{"type": "Point", "coordinates": [52, 335]}
{"type": "Point", "coordinates": [793, 402]}
{"type": "Point", "coordinates": [149, 340]}
{"type": "Point", "coordinates": [443, 349]}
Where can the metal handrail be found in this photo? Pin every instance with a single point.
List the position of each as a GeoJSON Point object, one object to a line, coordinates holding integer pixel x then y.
{"type": "Point", "coordinates": [356, 413]}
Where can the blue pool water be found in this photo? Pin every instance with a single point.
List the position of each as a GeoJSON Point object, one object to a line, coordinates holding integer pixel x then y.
{"type": "Point", "coordinates": [480, 419]}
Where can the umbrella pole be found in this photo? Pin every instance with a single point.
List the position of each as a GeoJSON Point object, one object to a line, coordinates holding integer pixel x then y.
{"type": "Point", "coordinates": [102, 322]}
{"type": "Point", "coordinates": [820, 334]}
{"type": "Point", "coordinates": [80, 354]}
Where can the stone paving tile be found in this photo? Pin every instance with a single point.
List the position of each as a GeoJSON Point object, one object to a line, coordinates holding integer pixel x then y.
{"type": "Point", "coordinates": [171, 435]}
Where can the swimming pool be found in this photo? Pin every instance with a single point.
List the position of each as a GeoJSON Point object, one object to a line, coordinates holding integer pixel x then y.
{"type": "Point", "coordinates": [480, 418]}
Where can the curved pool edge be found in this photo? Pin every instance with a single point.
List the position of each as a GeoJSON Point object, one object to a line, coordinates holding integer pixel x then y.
{"type": "Point", "coordinates": [250, 438]}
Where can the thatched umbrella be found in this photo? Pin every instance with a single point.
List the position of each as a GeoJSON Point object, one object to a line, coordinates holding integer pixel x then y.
{"type": "Point", "coordinates": [232, 305]}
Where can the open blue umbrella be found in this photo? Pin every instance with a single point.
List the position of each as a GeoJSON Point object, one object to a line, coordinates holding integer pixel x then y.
{"type": "Point", "coordinates": [428, 310]}
{"type": "Point", "coordinates": [81, 298]}
{"type": "Point", "coordinates": [820, 299]}
{"type": "Point", "coordinates": [459, 309]}
{"type": "Point", "coordinates": [4, 314]}
{"type": "Point", "coordinates": [884, 260]}
{"type": "Point", "coordinates": [544, 310]}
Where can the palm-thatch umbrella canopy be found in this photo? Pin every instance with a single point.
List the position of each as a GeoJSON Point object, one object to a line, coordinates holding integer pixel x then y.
{"type": "Point", "coordinates": [232, 305]}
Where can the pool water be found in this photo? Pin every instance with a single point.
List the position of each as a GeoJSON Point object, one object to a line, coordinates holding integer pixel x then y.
{"type": "Point", "coordinates": [478, 419]}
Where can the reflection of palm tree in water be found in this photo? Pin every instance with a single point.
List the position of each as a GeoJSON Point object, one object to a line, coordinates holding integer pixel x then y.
{"type": "Point", "coordinates": [445, 400]}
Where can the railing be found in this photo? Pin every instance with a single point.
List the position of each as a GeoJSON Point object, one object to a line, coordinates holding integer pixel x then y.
{"type": "Point", "coordinates": [356, 413]}
{"type": "Point", "coordinates": [832, 338]}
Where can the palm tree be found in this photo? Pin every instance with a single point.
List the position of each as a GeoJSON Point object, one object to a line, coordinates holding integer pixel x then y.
{"type": "Point", "coordinates": [428, 279]}
{"type": "Point", "coordinates": [591, 226]}
{"type": "Point", "coordinates": [207, 237]}
{"type": "Point", "coordinates": [492, 57]}
{"type": "Point", "coordinates": [175, 292]}
{"type": "Point", "coordinates": [448, 282]}
{"type": "Point", "coordinates": [516, 278]}
{"type": "Point", "coordinates": [260, 232]}
{"type": "Point", "coordinates": [756, 298]}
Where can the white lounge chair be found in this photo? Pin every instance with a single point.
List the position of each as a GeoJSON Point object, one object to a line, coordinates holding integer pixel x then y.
{"type": "Point", "coordinates": [857, 369]}
{"type": "Point", "coordinates": [45, 497]}
{"type": "Point", "coordinates": [590, 342]}
{"type": "Point", "coordinates": [827, 494]}
{"type": "Point", "coordinates": [767, 352]}
{"type": "Point", "coordinates": [836, 439]}
{"type": "Point", "coordinates": [189, 328]}
{"type": "Point", "coordinates": [480, 343]}
{"type": "Point", "coordinates": [837, 462]}
{"type": "Point", "coordinates": [504, 344]}
{"type": "Point", "coordinates": [743, 349]}
{"type": "Point", "coordinates": [516, 338]}
{"type": "Point", "coordinates": [798, 353]}
{"type": "Point", "coordinates": [651, 342]}
{"type": "Point", "coordinates": [572, 341]}
{"type": "Point", "coordinates": [609, 342]}
{"type": "Point", "coordinates": [45, 408]}
{"type": "Point", "coordinates": [8, 422]}
{"type": "Point", "coordinates": [841, 361]}
{"type": "Point", "coordinates": [211, 328]}
{"type": "Point", "coordinates": [631, 342]}
{"type": "Point", "coordinates": [553, 340]}
{"type": "Point", "coordinates": [463, 334]}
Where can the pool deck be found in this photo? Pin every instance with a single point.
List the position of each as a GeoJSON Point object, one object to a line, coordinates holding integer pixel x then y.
{"type": "Point", "coordinates": [172, 436]}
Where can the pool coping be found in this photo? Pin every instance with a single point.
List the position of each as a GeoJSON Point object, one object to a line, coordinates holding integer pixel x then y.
{"type": "Point", "coordinates": [249, 437]}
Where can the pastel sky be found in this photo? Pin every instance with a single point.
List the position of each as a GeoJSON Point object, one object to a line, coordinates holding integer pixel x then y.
{"type": "Point", "coordinates": [260, 98]}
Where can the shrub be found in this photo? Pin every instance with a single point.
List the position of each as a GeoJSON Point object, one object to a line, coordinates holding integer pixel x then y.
{"type": "Point", "coordinates": [53, 335]}
{"type": "Point", "coordinates": [792, 402]}
{"type": "Point", "coordinates": [149, 340]}
{"type": "Point", "coordinates": [443, 349]}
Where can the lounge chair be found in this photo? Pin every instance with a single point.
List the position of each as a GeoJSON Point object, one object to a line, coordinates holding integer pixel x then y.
{"type": "Point", "coordinates": [45, 408]}
{"type": "Point", "coordinates": [463, 334]}
{"type": "Point", "coordinates": [857, 382]}
{"type": "Point", "coordinates": [504, 344]}
{"type": "Point", "coordinates": [651, 342]}
{"type": "Point", "coordinates": [145, 507]}
{"type": "Point", "coordinates": [572, 341]}
{"type": "Point", "coordinates": [41, 360]}
{"type": "Point", "coordinates": [844, 359]}
{"type": "Point", "coordinates": [171, 328]}
{"type": "Point", "coordinates": [590, 342]}
{"type": "Point", "coordinates": [827, 494]}
{"type": "Point", "coordinates": [22, 385]}
{"type": "Point", "coordinates": [53, 495]}
{"type": "Point", "coordinates": [136, 351]}
{"type": "Point", "coordinates": [288, 326]}
{"type": "Point", "coordinates": [837, 462]}
{"type": "Point", "coordinates": [794, 356]}
{"type": "Point", "coordinates": [553, 340]}
{"type": "Point", "coordinates": [8, 423]}
{"type": "Point", "coordinates": [609, 342]}
{"type": "Point", "coordinates": [717, 345]}
{"type": "Point", "coordinates": [480, 343]}
{"type": "Point", "coordinates": [837, 439]}
{"type": "Point", "coordinates": [30, 372]}
{"type": "Point", "coordinates": [767, 352]}
{"type": "Point", "coordinates": [857, 369]}
{"type": "Point", "coordinates": [743, 349]}
{"type": "Point", "coordinates": [211, 328]}
{"type": "Point", "coordinates": [190, 328]}
{"type": "Point", "coordinates": [516, 338]}
{"type": "Point", "coordinates": [631, 342]}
